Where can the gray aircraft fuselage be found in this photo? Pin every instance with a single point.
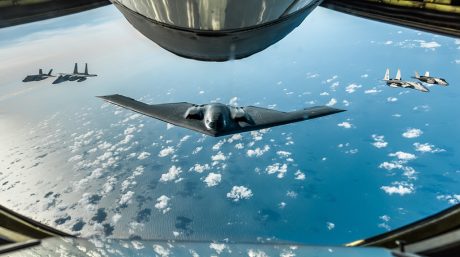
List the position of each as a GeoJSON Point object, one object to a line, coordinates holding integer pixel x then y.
{"type": "Point", "coordinates": [433, 80]}
{"type": "Point", "coordinates": [406, 84]}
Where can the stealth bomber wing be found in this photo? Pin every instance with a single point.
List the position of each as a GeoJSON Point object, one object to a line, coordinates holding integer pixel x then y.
{"type": "Point", "coordinates": [218, 119]}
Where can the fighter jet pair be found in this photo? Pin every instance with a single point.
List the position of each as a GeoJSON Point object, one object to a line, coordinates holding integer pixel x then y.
{"type": "Point", "coordinates": [75, 76]}
{"type": "Point", "coordinates": [398, 82]}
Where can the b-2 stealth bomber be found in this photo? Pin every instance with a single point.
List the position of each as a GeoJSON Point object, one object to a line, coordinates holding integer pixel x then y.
{"type": "Point", "coordinates": [431, 80]}
{"type": "Point", "coordinates": [398, 82]}
{"type": "Point", "coordinates": [38, 77]}
{"type": "Point", "coordinates": [218, 119]}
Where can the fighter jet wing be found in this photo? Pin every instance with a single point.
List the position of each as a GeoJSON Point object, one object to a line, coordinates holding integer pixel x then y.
{"type": "Point", "coordinates": [260, 118]}
{"type": "Point", "coordinates": [171, 113]}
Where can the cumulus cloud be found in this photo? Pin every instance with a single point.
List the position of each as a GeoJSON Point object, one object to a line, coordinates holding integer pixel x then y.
{"type": "Point", "coordinates": [345, 124]}
{"type": "Point", "coordinates": [284, 154]}
{"type": "Point", "coordinates": [172, 174]}
{"type": "Point", "coordinates": [258, 151]}
{"type": "Point", "coordinates": [277, 168]}
{"type": "Point", "coordinates": [372, 91]}
{"type": "Point", "coordinates": [239, 192]}
{"type": "Point", "coordinates": [332, 102]}
{"type": "Point", "coordinates": [218, 145]}
{"type": "Point", "coordinates": [330, 225]}
{"type": "Point", "coordinates": [403, 156]}
{"type": "Point", "coordinates": [219, 248]}
{"type": "Point", "coordinates": [427, 148]}
{"type": "Point", "coordinates": [213, 179]}
{"type": "Point", "coordinates": [379, 141]}
{"type": "Point", "coordinates": [166, 151]}
{"type": "Point", "coordinates": [218, 157]}
{"type": "Point", "coordinates": [143, 155]}
{"type": "Point", "coordinates": [197, 149]}
{"type": "Point", "coordinates": [352, 88]}
{"type": "Point", "coordinates": [200, 168]}
{"type": "Point", "coordinates": [392, 99]}
{"type": "Point", "coordinates": [239, 146]}
{"type": "Point", "coordinates": [256, 253]}
{"type": "Point", "coordinates": [412, 133]}
{"type": "Point", "coordinates": [400, 188]}
{"type": "Point", "coordinates": [162, 204]}
{"type": "Point", "coordinates": [161, 251]}
{"type": "Point", "coordinates": [299, 175]}
{"type": "Point", "coordinates": [331, 79]}
{"type": "Point", "coordinates": [126, 198]}
{"type": "Point", "coordinates": [451, 199]}
{"type": "Point", "coordinates": [429, 45]}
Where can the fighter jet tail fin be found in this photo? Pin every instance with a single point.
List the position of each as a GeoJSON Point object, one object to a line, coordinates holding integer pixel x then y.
{"type": "Point", "coordinates": [387, 75]}
{"type": "Point", "coordinates": [417, 76]}
{"type": "Point", "coordinates": [398, 75]}
{"type": "Point", "coordinates": [49, 73]}
{"type": "Point", "coordinates": [40, 71]}
{"type": "Point", "coordinates": [86, 69]}
{"type": "Point", "coordinates": [75, 69]}
{"type": "Point", "coordinates": [427, 74]}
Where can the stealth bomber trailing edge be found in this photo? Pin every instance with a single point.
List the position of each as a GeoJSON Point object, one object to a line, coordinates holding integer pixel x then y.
{"type": "Point", "coordinates": [218, 119]}
{"type": "Point", "coordinates": [38, 77]}
{"type": "Point", "coordinates": [398, 82]}
{"type": "Point", "coordinates": [430, 80]}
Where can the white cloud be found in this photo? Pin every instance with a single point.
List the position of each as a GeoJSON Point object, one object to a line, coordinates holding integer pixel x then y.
{"type": "Point", "coordinates": [239, 192]}
{"type": "Point", "coordinates": [427, 148]}
{"type": "Point", "coordinates": [457, 61]}
{"type": "Point", "coordinates": [330, 225]}
{"type": "Point", "coordinates": [429, 45]}
{"type": "Point", "coordinates": [143, 155]}
{"type": "Point", "coordinates": [200, 168]}
{"type": "Point", "coordinates": [277, 168]}
{"type": "Point", "coordinates": [169, 126]}
{"type": "Point", "coordinates": [256, 253]}
{"type": "Point", "coordinates": [162, 204]}
{"type": "Point", "coordinates": [332, 79]}
{"type": "Point", "coordinates": [218, 157]}
{"type": "Point", "coordinates": [218, 145]}
{"type": "Point", "coordinates": [126, 198]}
{"type": "Point", "coordinates": [284, 154]}
{"type": "Point", "coordinates": [161, 251]}
{"type": "Point", "coordinates": [364, 76]}
{"type": "Point", "coordinates": [219, 248]}
{"type": "Point", "coordinates": [116, 217]}
{"type": "Point", "coordinates": [451, 199]}
{"type": "Point", "coordinates": [372, 91]}
{"type": "Point", "coordinates": [213, 179]}
{"type": "Point", "coordinates": [324, 94]}
{"type": "Point", "coordinates": [392, 99]}
{"type": "Point", "coordinates": [166, 151]}
{"type": "Point", "coordinates": [258, 151]}
{"type": "Point", "coordinates": [197, 149]}
{"type": "Point", "coordinates": [390, 165]}
{"type": "Point", "coordinates": [412, 133]}
{"type": "Point", "coordinates": [389, 42]}
{"type": "Point", "coordinates": [239, 146]}
{"type": "Point", "coordinates": [235, 137]}
{"type": "Point", "coordinates": [291, 194]}
{"type": "Point", "coordinates": [379, 141]}
{"type": "Point", "coordinates": [172, 174]}
{"type": "Point", "coordinates": [299, 175]}
{"type": "Point", "coordinates": [332, 102]}
{"type": "Point", "coordinates": [403, 156]}
{"type": "Point", "coordinates": [401, 188]}
{"type": "Point", "coordinates": [352, 88]}
{"type": "Point", "coordinates": [345, 124]}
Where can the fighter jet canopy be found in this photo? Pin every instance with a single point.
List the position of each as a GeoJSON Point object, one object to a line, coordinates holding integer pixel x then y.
{"type": "Point", "coordinates": [215, 30]}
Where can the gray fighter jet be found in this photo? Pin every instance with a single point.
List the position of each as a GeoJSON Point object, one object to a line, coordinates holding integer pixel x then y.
{"type": "Point", "coordinates": [430, 80]}
{"type": "Point", "coordinates": [75, 76]}
{"type": "Point", "coordinates": [218, 119]}
{"type": "Point", "coordinates": [38, 77]}
{"type": "Point", "coordinates": [397, 82]}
